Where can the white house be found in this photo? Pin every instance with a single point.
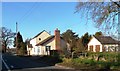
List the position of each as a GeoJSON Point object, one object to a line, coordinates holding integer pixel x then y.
{"type": "Point", "coordinates": [102, 44]}
{"type": "Point", "coordinates": [46, 44]}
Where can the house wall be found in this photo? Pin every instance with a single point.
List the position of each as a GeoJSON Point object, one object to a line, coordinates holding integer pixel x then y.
{"type": "Point", "coordinates": [38, 50]}
{"type": "Point", "coordinates": [42, 36]}
{"type": "Point", "coordinates": [34, 49]}
{"type": "Point", "coordinates": [52, 44]}
{"type": "Point", "coordinates": [107, 46]}
{"type": "Point", "coordinates": [28, 50]}
{"type": "Point", "coordinates": [94, 42]}
{"type": "Point", "coordinates": [63, 44]}
{"type": "Point", "coordinates": [41, 49]}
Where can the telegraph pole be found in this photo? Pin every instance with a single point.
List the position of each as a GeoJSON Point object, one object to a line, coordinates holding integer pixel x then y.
{"type": "Point", "coordinates": [16, 37]}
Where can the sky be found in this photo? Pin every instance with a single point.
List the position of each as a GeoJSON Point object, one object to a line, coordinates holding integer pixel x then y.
{"type": "Point", "coordinates": [34, 17]}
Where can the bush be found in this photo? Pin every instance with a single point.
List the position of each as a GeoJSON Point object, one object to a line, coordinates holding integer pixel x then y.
{"type": "Point", "coordinates": [108, 65]}
{"type": "Point", "coordinates": [77, 61]}
{"type": "Point", "coordinates": [108, 56]}
{"type": "Point", "coordinates": [91, 63]}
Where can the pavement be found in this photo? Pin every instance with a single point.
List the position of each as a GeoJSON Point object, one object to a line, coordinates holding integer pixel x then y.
{"type": "Point", "coordinates": [12, 62]}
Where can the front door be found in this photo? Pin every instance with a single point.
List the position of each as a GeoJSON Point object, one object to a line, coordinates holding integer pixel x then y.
{"type": "Point", "coordinates": [48, 50]}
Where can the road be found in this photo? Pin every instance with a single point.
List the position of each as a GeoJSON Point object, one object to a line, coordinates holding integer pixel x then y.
{"type": "Point", "coordinates": [13, 62]}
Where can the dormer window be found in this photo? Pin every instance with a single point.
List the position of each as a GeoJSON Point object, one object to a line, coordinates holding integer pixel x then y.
{"type": "Point", "coordinates": [39, 38]}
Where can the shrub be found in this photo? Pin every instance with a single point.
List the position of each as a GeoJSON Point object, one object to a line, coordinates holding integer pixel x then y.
{"type": "Point", "coordinates": [90, 63]}
{"type": "Point", "coordinates": [77, 61]}
{"type": "Point", "coordinates": [108, 56]}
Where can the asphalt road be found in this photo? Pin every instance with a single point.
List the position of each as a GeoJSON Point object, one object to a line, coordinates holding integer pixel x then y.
{"type": "Point", "coordinates": [4, 67]}
{"type": "Point", "coordinates": [13, 62]}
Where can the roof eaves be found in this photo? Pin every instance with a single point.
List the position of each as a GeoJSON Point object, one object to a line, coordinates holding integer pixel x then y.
{"type": "Point", "coordinates": [45, 40]}
{"type": "Point", "coordinates": [106, 40]}
{"type": "Point", "coordinates": [40, 33]}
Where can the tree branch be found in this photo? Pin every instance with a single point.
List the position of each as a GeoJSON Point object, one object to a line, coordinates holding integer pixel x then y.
{"type": "Point", "coordinates": [115, 3]}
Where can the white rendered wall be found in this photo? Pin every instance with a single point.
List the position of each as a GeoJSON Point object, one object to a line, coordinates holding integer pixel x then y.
{"type": "Point", "coordinates": [94, 42]}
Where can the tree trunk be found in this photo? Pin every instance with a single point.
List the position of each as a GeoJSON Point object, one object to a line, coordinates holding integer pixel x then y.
{"type": "Point", "coordinates": [5, 46]}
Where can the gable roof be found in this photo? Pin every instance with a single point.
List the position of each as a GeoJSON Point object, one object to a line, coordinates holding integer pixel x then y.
{"type": "Point", "coordinates": [106, 40]}
{"type": "Point", "coordinates": [45, 40]}
{"type": "Point", "coordinates": [39, 34]}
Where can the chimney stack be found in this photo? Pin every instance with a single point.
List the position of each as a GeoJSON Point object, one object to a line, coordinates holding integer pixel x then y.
{"type": "Point", "coordinates": [57, 39]}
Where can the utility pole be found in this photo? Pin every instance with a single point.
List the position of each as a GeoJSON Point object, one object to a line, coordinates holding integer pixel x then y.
{"type": "Point", "coordinates": [16, 37]}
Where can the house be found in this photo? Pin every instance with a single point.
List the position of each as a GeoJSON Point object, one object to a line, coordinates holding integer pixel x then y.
{"type": "Point", "coordinates": [46, 44]}
{"type": "Point", "coordinates": [102, 44]}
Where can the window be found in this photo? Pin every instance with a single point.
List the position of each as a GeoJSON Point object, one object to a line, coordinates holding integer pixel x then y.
{"type": "Point", "coordinates": [91, 47]}
{"type": "Point", "coordinates": [38, 49]}
{"type": "Point", "coordinates": [48, 48]}
{"type": "Point", "coordinates": [39, 38]}
{"type": "Point", "coordinates": [112, 48]}
{"type": "Point", "coordinates": [97, 48]}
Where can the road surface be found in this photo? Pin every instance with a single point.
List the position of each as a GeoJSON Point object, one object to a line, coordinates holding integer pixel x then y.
{"type": "Point", "coordinates": [13, 62]}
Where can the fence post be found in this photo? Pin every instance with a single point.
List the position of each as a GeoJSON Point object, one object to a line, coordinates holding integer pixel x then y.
{"type": "Point", "coordinates": [72, 54]}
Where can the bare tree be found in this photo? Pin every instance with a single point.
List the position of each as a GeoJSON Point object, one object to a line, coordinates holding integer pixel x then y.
{"type": "Point", "coordinates": [6, 35]}
{"type": "Point", "coordinates": [104, 14]}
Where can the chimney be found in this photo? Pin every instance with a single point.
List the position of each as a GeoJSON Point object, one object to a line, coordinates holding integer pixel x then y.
{"type": "Point", "coordinates": [57, 39]}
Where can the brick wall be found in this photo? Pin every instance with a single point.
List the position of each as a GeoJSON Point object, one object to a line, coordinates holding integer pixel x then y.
{"type": "Point", "coordinates": [57, 39]}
